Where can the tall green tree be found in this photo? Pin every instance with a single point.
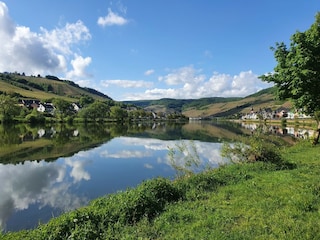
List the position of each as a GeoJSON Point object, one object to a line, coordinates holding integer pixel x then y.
{"type": "Point", "coordinates": [8, 108]}
{"type": "Point", "coordinates": [96, 111]}
{"type": "Point", "coordinates": [63, 108]}
{"type": "Point", "coordinates": [116, 112]}
{"type": "Point", "coordinates": [297, 73]}
{"type": "Point", "coordinates": [85, 101]}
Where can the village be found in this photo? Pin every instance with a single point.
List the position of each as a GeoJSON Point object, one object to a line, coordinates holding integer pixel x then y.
{"type": "Point", "coordinates": [280, 113]}
{"type": "Point", "coordinates": [44, 107]}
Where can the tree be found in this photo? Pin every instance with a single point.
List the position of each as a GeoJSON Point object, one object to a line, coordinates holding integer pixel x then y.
{"type": "Point", "coordinates": [85, 101]}
{"type": "Point", "coordinates": [64, 108]}
{"type": "Point", "coordinates": [8, 108]}
{"type": "Point", "coordinates": [116, 112]}
{"type": "Point", "coordinates": [95, 111]}
{"type": "Point", "coordinates": [297, 73]}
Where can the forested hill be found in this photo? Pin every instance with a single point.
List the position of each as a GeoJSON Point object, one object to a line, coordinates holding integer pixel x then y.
{"type": "Point", "coordinates": [215, 106]}
{"type": "Point", "coordinates": [180, 104]}
{"type": "Point", "coordinates": [43, 88]}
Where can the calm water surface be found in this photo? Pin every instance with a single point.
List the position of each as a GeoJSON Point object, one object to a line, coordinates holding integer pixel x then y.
{"type": "Point", "coordinates": [35, 191]}
{"type": "Point", "coordinates": [41, 183]}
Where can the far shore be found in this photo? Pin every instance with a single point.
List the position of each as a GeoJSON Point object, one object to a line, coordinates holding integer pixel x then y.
{"type": "Point", "coordinates": [308, 123]}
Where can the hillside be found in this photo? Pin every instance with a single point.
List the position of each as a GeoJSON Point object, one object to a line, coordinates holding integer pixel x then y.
{"type": "Point", "coordinates": [43, 88]}
{"type": "Point", "coordinates": [49, 87]}
{"type": "Point", "coordinates": [264, 99]}
{"type": "Point", "coordinates": [216, 106]}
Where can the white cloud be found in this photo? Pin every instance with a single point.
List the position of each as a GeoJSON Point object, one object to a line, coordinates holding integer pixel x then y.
{"type": "Point", "coordinates": [79, 65]}
{"type": "Point", "coordinates": [183, 75]}
{"type": "Point", "coordinates": [149, 72]}
{"type": "Point", "coordinates": [127, 83]}
{"type": "Point", "coordinates": [45, 52]}
{"type": "Point", "coordinates": [84, 83]}
{"type": "Point", "coordinates": [111, 19]}
{"type": "Point", "coordinates": [192, 84]}
{"type": "Point", "coordinates": [225, 85]}
{"type": "Point", "coordinates": [6, 24]}
{"type": "Point", "coordinates": [62, 39]}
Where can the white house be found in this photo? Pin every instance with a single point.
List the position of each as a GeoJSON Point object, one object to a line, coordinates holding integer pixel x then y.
{"type": "Point", "coordinates": [46, 107]}
{"type": "Point", "coordinates": [76, 107]}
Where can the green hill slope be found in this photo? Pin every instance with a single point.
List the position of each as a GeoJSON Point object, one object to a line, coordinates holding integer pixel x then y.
{"type": "Point", "coordinates": [215, 106]}
{"type": "Point", "coordinates": [43, 88]}
{"type": "Point", "coordinates": [263, 99]}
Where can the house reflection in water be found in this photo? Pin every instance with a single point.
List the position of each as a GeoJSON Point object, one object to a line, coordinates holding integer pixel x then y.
{"type": "Point", "coordinates": [279, 130]}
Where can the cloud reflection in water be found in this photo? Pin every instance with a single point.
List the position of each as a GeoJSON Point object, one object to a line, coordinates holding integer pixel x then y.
{"type": "Point", "coordinates": [69, 183]}
{"type": "Point", "coordinates": [42, 183]}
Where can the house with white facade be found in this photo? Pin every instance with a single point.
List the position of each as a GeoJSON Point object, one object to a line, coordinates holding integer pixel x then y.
{"type": "Point", "coordinates": [46, 108]}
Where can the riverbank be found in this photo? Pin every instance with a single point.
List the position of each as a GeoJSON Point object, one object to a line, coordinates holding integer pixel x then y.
{"type": "Point", "coordinates": [257, 200]}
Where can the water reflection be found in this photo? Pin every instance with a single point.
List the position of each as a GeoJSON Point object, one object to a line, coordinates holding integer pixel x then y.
{"type": "Point", "coordinates": [42, 184]}
{"type": "Point", "coordinates": [75, 164]}
{"type": "Point", "coordinates": [296, 131]}
{"type": "Point", "coordinates": [42, 189]}
{"type": "Point", "coordinates": [25, 142]}
{"type": "Point", "coordinates": [208, 152]}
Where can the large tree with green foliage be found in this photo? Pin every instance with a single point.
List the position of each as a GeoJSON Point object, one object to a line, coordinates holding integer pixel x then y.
{"type": "Point", "coordinates": [96, 111]}
{"type": "Point", "coordinates": [297, 73]}
{"type": "Point", "coordinates": [8, 108]}
{"type": "Point", "coordinates": [63, 108]}
{"type": "Point", "coordinates": [118, 113]}
{"type": "Point", "coordinates": [85, 101]}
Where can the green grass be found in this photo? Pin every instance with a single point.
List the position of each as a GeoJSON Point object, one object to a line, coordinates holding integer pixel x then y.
{"type": "Point", "coordinates": [240, 201]}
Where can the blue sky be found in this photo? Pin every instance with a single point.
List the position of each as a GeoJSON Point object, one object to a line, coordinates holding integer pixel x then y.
{"type": "Point", "coordinates": [144, 49]}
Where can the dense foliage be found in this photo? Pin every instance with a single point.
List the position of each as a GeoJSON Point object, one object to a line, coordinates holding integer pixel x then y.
{"type": "Point", "coordinates": [8, 108]}
{"type": "Point", "coordinates": [297, 73]}
{"type": "Point", "coordinates": [255, 148]}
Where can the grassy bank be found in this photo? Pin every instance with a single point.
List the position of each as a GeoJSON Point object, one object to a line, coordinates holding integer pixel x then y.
{"type": "Point", "coordinates": [260, 200]}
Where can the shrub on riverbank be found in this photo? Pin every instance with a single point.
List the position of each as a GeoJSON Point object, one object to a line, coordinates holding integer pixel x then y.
{"type": "Point", "coordinates": [255, 148]}
{"type": "Point", "coordinates": [253, 200]}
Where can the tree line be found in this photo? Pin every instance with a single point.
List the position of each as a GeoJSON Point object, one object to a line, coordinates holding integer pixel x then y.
{"type": "Point", "coordinates": [88, 110]}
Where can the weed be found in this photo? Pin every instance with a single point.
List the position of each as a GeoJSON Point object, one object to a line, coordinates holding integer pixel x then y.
{"type": "Point", "coordinates": [185, 160]}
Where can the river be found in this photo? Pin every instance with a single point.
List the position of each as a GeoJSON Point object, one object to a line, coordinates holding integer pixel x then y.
{"type": "Point", "coordinates": [48, 170]}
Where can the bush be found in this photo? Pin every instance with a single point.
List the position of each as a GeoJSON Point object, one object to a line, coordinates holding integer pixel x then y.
{"type": "Point", "coordinates": [252, 149]}
{"type": "Point", "coordinates": [116, 211]}
{"type": "Point", "coordinates": [151, 198]}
